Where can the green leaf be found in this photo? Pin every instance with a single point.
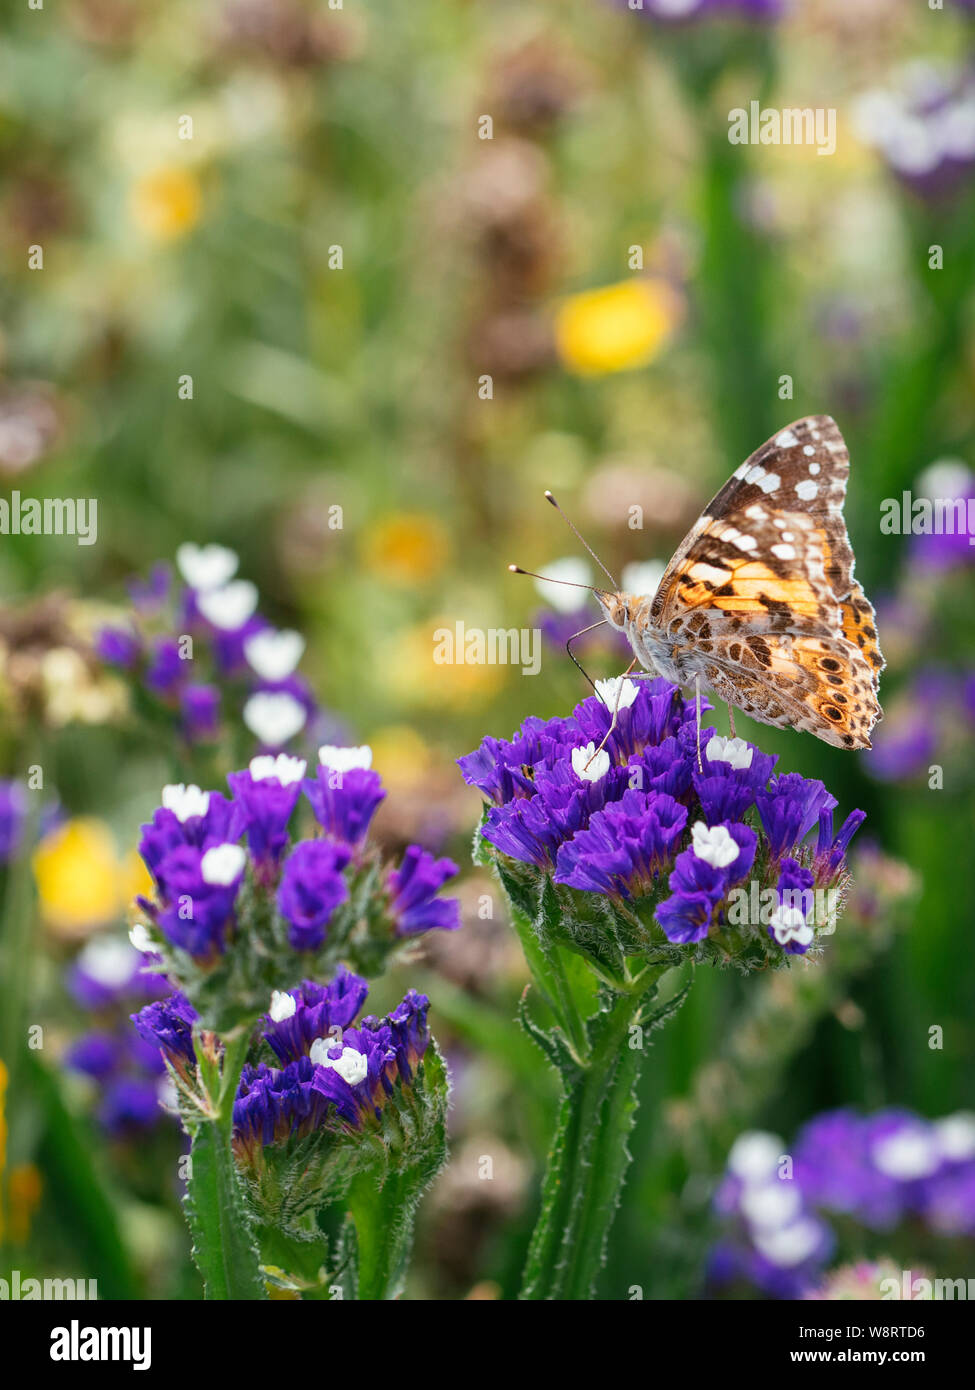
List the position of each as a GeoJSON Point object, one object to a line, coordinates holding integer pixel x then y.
{"type": "Point", "coordinates": [224, 1247]}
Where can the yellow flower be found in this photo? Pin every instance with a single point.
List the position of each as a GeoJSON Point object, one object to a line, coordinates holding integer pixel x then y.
{"type": "Point", "coordinates": [81, 880]}
{"type": "Point", "coordinates": [409, 548]}
{"type": "Point", "coordinates": [401, 755]}
{"type": "Point", "coordinates": [166, 204]}
{"type": "Point", "coordinates": [618, 327]}
{"type": "Point", "coordinates": [24, 1190]}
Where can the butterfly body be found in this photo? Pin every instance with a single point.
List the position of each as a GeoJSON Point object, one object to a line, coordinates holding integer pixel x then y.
{"type": "Point", "coordinates": [760, 602]}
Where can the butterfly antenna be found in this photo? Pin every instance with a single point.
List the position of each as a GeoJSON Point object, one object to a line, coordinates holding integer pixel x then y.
{"type": "Point", "coordinates": [579, 536]}
{"type": "Point", "coordinates": [575, 660]}
{"type": "Point", "coordinates": [590, 588]}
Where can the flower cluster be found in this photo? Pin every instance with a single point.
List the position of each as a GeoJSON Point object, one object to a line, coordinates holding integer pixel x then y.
{"type": "Point", "coordinates": [924, 127]}
{"type": "Point", "coordinates": [228, 869]}
{"type": "Point", "coordinates": [876, 1170]}
{"type": "Point", "coordinates": [621, 800]}
{"type": "Point", "coordinates": [106, 979]}
{"type": "Point", "coordinates": [200, 649]}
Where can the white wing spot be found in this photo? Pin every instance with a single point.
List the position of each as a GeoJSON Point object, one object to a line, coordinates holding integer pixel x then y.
{"type": "Point", "coordinates": [701, 571]}
{"type": "Point", "coordinates": [755, 474]}
{"type": "Point", "coordinates": [746, 542]}
{"type": "Point", "coordinates": [788, 536]}
{"type": "Point", "coordinates": [770, 482]}
{"type": "Point", "coordinates": [807, 489]}
{"type": "Point", "coordinates": [808, 450]}
{"type": "Point", "coordinates": [784, 552]}
{"type": "Point", "coordinates": [814, 469]}
{"type": "Point", "coordinates": [756, 512]}
{"type": "Point", "coordinates": [786, 439]}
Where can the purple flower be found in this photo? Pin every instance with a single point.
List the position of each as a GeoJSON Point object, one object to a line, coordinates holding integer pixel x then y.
{"type": "Point", "coordinates": [107, 971]}
{"type": "Point", "coordinates": [150, 595]}
{"type": "Point", "coordinates": [790, 808]}
{"type": "Point", "coordinates": [198, 889]}
{"type": "Point", "coordinates": [720, 857]}
{"type": "Point", "coordinates": [168, 1026]}
{"type": "Point", "coordinates": [13, 810]}
{"type": "Point", "coordinates": [189, 816]}
{"type": "Point", "coordinates": [922, 127]}
{"type": "Point", "coordinates": [344, 802]}
{"type": "Point", "coordinates": [268, 793]}
{"type": "Point", "coordinates": [311, 888]}
{"type": "Point", "coordinates": [312, 1011]}
{"type": "Point", "coordinates": [831, 852]}
{"type": "Point", "coordinates": [166, 670]}
{"type": "Point", "coordinates": [625, 846]}
{"type": "Point", "coordinates": [497, 767]}
{"type": "Point", "coordinates": [413, 905]}
{"type": "Point", "coordinates": [118, 646]}
{"type": "Point", "coordinates": [200, 708]}
{"type": "Point", "coordinates": [129, 1105]}
{"type": "Point", "coordinates": [93, 1054]}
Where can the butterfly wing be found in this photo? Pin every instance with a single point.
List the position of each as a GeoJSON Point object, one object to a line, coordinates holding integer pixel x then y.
{"type": "Point", "coordinates": [762, 591]}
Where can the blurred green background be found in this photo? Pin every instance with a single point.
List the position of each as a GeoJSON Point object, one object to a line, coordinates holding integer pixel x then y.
{"type": "Point", "coordinates": [338, 259]}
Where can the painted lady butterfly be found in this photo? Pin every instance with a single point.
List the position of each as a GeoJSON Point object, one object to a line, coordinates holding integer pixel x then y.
{"type": "Point", "coordinates": [759, 604]}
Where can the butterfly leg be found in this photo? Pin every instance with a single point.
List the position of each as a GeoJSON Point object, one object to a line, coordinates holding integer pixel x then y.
{"type": "Point", "coordinates": [616, 706]}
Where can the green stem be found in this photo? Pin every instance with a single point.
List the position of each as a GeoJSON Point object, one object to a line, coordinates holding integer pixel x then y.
{"type": "Point", "coordinates": [588, 1161]}
{"type": "Point", "coordinates": [383, 1219]}
{"type": "Point", "coordinates": [223, 1242]}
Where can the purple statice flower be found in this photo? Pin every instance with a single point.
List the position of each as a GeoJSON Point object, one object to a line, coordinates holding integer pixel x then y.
{"type": "Point", "coordinates": [108, 971]}
{"type": "Point", "coordinates": [167, 1025]}
{"type": "Point", "coordinates": [923, 126]}
{"type": "Point", "coordinates": [200, 708]}
{"type": "Point", "coordinates": [950, 488]}
{"type": "Point", "coordinates": [129, 1105]}
{"type": "Point", "coordinates": [150, 595]}
{"type": "Point", "coordinates": [720, 857]}
{"type": "Point", "coordinates": [633, 810]}
{"type": "Point", "coordinates": [790, 925]}
{"type": "Point", "coordinates": [345, 793]}
{"type": "Point", "coordinates": [198, 888]}
{"type": "Point", "coordinates": [677, 12]}
{"type": "Point", "coordinates": [831, 849]}
{"type": "Point", "coordinates": [312, 1011]}
{"type": "Point", "coordinates": [93, 1054]}
{"type": "Point", "coordinates": [189, 816]}
{"type": "Point", "coordinates": [337, 1080]}
{"type": "Point", "coordinates": [311, 888]}
{"type": "Point", "coordinates": [13, 810]}
{"type": "Point", "coordinates": [166, 669]}
{"type": "Point", "coordinates": [414, 906]}
{"type": "Point", "coordinates": [119, 646]}
{"type": "Point", "coordinates": [625, 847]}
{"type": "Point", "coordinates": [127, 1074]}
{"type": "Point", "coordinates": [267, 793]}
{"type": "Point", "coordinates": [790, 808]}
{"type": "Point", "coordinates": [876, 1171]}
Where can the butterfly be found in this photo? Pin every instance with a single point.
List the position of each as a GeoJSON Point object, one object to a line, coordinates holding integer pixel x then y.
{"type": "Point", "coordinates": [760, 604]}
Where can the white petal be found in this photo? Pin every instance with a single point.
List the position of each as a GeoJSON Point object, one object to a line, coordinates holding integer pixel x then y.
{"type": "Point", "coordinates": [345, 759]}
{"type": "Point", "coordinates": [230, 607]}
{"type": "Point", "coordinates": [588, 764]}
{"type": "Point", "coordinates": [206, 566]}
{"type": "Point", "coordinates": [222, 865]}
{"type": "Point", "coordinates": [282, 1006]}
{"type": "Point", "coordinates": [274, 716]}
{"type": "Point", "coordinates": [274, 655]}
{"type": "Point", "coordinates": [185, 801]}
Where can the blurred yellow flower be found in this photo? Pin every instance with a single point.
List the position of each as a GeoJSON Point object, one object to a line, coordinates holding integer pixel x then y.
{"type": "Point", "coordinates": [618, 327]}
{"type": "Point", "coordinates": [24, 1188]}
{"type": "Point", "coordinates": [401, 755]}
{"type": "Point", "coordinates": [416, 677]}
{"type": "Point", "coordinates": [81, 880]}
{"type": "Point", "coordinates": [166, 204]}
{"type": "Point", "coordinates": [410, 548]}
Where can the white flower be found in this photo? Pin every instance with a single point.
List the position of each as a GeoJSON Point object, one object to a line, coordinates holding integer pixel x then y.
{"type": "Point", "coordinates": [789, 924]}
{"type": "Point", "coordinates": [789, 1245]}
{"type": "Point", "coordinates": [282, 1006]}
{"type": "Point", "coordinates": [206, 566]}
{"type": "Point", "coordinates": [617, 693]}
{"type": "Point", "coordinates": [286, 769]}
{"type": "Point", "coordinates": [956, 1136]}
{"type": "Point", "coordinates": [274, 716]}
{"type": "Point", "coordinates": [140, 938]}
{"type": "Point", "coordinates": [755, 1155]}
{"type": "Point", "coordinates": [222, 865]}
{"type": "Point", "coordinates": [642, 577]}
{"type": "Point", "coordinates": [345, 759]}
{"type": "Point", "coordinates": [771, 1204]}
{"type": "Point", "coordinates": [713, 844]}
{"type": "Point", "coordinates": [907, 1154]}
{"type": "Point", "coordinates": [588, 764]}
{"type": "Point", "coordinates": [729, 750]}
{"type": "Point", "coordinates": [352, 1066]}
{"type": "Point", "coordinates": [109, 961]}
{"type": "Point", "coordinates": [230, 607]}
{"type": "Point", "coordinates": [274, 655]}
{"type": "Point", "coordinates": [567, 571]}
{"type": "Point", "coordinates": [185, 801]}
